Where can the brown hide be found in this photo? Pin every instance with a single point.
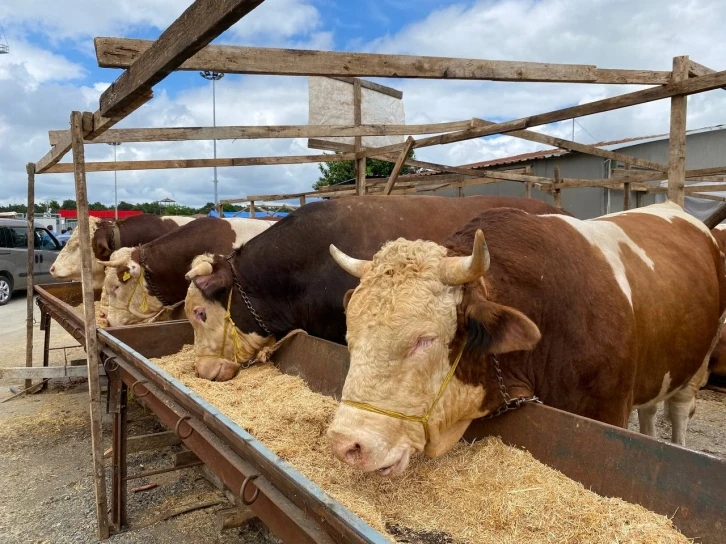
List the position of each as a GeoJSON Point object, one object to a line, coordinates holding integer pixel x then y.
{"type": "Point", "coordinates": [597, 356]}
{"type": "Point", "coordinates": [134, 230]}
{"type": "Point", "coordinates": [717, 364]}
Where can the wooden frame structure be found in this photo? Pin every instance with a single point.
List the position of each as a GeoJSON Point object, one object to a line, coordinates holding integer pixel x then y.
{"type": "Point", "coordinates": [184, 46]}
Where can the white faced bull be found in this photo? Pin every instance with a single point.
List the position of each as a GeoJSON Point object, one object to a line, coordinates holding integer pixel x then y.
{"type": "Point", "coordinates": [412, 327]}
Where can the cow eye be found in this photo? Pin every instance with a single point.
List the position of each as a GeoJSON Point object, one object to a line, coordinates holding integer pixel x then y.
{"type": "Point", "coordinates": [422, 344]}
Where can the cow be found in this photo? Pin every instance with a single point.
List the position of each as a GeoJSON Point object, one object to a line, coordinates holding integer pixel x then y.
{"type": "Point", "coordinates": [106, 237]}
{"type": "Point", "coordinates": [718, 357]}
{"type": "Point", "coordinates": [290, 281]}
{"type": "Point", "coordinates": [143, 282]}
{"type": "Point", "coordinates": [592, 317]}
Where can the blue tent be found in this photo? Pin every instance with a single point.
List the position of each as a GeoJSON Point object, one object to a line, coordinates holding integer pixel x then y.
{"type": "Point", "coordinates": [258, 214]}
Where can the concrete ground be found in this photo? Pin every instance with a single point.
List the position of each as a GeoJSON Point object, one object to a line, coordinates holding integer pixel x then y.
{"type": "Point", "coordinates": [45, 459]}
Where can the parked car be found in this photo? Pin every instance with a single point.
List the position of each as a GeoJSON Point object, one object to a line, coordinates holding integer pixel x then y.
{"type": "Point", "coordinates": [14, 256]}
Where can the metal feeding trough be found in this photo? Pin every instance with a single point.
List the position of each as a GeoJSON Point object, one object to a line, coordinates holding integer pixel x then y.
{"type": "Point", "coordinates": [685, 485]}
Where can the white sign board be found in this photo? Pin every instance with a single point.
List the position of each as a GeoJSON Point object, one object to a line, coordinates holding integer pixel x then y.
{"type": "Point", "coordinates": [331, 103]}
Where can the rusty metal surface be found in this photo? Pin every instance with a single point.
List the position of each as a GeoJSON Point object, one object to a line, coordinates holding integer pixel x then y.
{"type": "Point", "coordinates": [337, 521]}
{"type": "Point", "coordinates": [670, 480]}
{"type": "Point", "coordinates": [58, 301]}
{"type": "Point", "coordinates": [271, 506]}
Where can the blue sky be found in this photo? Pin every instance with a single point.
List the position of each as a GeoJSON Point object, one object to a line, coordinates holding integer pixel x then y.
{"type": "Point", "coordinates": [52, 70]}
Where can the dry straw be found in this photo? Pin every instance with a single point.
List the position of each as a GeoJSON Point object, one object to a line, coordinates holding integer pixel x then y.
{"type": "Point", "coordinates": [485, 492]}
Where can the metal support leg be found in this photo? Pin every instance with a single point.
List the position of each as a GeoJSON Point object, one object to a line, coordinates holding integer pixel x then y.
{"type": "Point", "coordinates": [118, 477]}
{"type": "Point", "coordinates": [45, 320]}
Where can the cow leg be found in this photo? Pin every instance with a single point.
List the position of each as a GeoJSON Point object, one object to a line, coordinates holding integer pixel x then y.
{"type": "Point", "coordinates": [646, 419]}
{"type": "Point", "coordinates": [682, 405]}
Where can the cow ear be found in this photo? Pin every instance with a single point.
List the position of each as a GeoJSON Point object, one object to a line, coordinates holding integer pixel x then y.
{"type": "Point", "coordinates": [125, 272]}
{"type": "Point", "coordinates": [346, 298]}
{"type": "Point", "coordinates": [494, 328]}
{"type": "Point", "coordinates": [214, 285]}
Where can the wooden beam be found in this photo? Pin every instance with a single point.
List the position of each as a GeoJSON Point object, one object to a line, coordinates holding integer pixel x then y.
{"type": "Point", "coordinates": [95, 125]}
{"type": "Point", "coordinates": [360, 163]}
{"type": "Point", "coordinates": [199, 163]}
{"type": "Point", "coordinates": [697, 70]}
{"type": "Point", "coordinates": [677, 141]}
{"type": "Point", "coordinates": [44, 372]}
{"type": "Point", "coordinates": [578, 147]}
{"type": "Point", "coordinates": [200, 23]}
{"type": "Point", "coordinates": [397, 167]}
{"type": "Point", "coordinates": [30, 244]}
{"type": "Point", "coordinates": [180, 134]}
{"type": "Point", "coordinates": [626, 192]}
{"type": "Point", "coordinates": [711, 174]}
{"type": "Point", "coordinates": [121, 53]}
{"type": "Point", "coordinates": [709, 197]}
{"type": "Point", "coordinates": [528, 189]}
{"type": "Point", "coordinates": [687, 87]}
{"type": "Point", "coordinates": [94, 385]}
{"type": "Point", "coordinates": [390, 91]}
{"type": "Point", "coordinates": [716, 217]}
{"type": "Point", "coordinates": [558, 190]}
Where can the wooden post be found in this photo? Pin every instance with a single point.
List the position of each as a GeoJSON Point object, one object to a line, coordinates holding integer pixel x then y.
{"type": "Point", "coordinates": [360, 164]}
{"type": "Point", "coordinates": [397, 167]}
{"type": "Point", "coordinates": [94, 384]}
{"type": "Point", "coordinates": [220, 210]}
{"type": "Point", "coordinates": [558, 190]}
{"type": "Point", "coordinates": [626, 192]}
{"type": "Point", "coordinates": [252, 208]}
{"type": "Point", "coordinates": [302, 200]}
{"type": "Point", "coordinates": [638, 199]}
{"type": "Point", "coordinates": [527, 189]}
{"type": "Point", "coordinates": [460, 192]}
{"type": "Point", "coordinates": [30, 168]}
{"type": "Point", "coordinates": [677, 144]}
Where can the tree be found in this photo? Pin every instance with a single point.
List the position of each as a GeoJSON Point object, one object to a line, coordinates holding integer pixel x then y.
{"type": "Point", "coordinates": [125, 206]}
{"type": "Point", "coordinates": [336, 172]}
{"type": "Point", "coordinates": [68, 204]}
{"type": "Point", "coordinates": [97, 206]}
{"type": "Point", "coordinates": [53, 205]}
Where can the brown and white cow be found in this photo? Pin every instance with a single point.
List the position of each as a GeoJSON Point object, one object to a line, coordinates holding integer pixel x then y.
{"type": "Point", "coordinates": [106, 237]}
{"type": "Point", "coordinates": [594, 317]}
{"type": "Point", "coordinates": [143, 281]}
{"type": "Point", "coordinates": [718, 357]}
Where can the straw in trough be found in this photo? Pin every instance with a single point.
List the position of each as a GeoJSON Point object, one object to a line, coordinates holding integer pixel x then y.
{"type": "Point", "coordinates": [481, 492]}
{"type": "Point", "coordinates": [100, 321]}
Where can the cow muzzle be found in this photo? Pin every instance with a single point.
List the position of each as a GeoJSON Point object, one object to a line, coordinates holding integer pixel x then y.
{"type": "Point", "coordinates": [369, 453]}
{"type": "Point", "coordinates": [215, 369]}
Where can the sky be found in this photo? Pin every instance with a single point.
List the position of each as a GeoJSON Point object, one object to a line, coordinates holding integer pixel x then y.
{"type": "Point", "coordinates": [52, 70]}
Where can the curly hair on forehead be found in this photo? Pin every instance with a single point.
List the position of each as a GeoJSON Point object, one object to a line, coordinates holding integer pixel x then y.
{"type": "Point", "coordinates": [400, 259]}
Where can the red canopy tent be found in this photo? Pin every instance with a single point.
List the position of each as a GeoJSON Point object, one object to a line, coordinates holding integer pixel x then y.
{"type": "Point", "coordinates": [102, 214]}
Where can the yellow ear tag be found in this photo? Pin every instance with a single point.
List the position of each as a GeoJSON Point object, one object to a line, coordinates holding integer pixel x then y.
{"type": "Point", "coordinates": [126, 276]}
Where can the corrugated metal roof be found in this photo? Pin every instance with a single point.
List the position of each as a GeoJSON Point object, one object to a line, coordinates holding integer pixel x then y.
{"type": "Point", "coordinates": [611, 145]}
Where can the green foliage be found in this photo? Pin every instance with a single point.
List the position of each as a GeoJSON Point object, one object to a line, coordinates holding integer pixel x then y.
{"type": "Point", "coordinates": [53, 205]}
{"type": "Point", "coordinates": [68, 204]}
{"type": "Point", "coordinates": [98, 206]}
{"type": "Point", "coordinates": [125, 206]}
{"type": "Point", "coordinates": [332, 173]}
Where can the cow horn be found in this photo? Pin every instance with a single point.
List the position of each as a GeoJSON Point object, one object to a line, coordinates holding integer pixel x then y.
{"type": "Point", "coordinates": [460, 270]}
{"type": "Point", "coordinates": [354, 267]}
{"type": "Point", "coordinates": [202, 269]}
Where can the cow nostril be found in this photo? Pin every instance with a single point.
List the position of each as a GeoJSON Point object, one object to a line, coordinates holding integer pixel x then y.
{"type": "Point", "coordinates": [52, 269]}
{"type": "Point", "coordinates": [354, 453]}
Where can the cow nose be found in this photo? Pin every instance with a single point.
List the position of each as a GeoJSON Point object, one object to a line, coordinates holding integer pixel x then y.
{"type": "Point", "coordinates": [52, 269]}
{"type": "Point", "coordinates": [348, 449]}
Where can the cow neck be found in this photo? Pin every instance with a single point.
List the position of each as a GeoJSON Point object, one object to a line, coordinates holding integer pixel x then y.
{"type": "Point", "coordinates": [150, 284]}
{"type": "Point", "coordinates": [115, 237]}
{"type": "Point", "coordinates": [237, 285]}
{"type": "Point", "coordinates": [495, 377]}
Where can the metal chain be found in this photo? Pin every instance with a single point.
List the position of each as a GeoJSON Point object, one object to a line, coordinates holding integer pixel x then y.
{"type": "Point", "coordinates": [147, 277]}
{"type": "Point", "coordinates": [509, 402]}
{"type": "Point", "coordinates": [247, 302]}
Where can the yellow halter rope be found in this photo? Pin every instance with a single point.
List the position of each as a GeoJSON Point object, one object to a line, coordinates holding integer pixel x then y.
{"type": "Point", "coordinates": [424, 420]}
{"type": "Point", "coordinates": [236, 340]}
{"type": "Point", "coordinates": [144, 303]}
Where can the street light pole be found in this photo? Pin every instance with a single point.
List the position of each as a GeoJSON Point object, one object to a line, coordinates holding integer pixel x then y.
{"type": "Point", "coordinates": [214, 77]}
{"type": "Point", "coordinates": [115, 182]}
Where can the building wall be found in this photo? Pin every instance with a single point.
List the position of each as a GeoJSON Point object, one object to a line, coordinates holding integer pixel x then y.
{"type": "Point", "coordinates": [703, 150]}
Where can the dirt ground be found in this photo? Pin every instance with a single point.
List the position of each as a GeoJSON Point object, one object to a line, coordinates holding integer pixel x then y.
{"type": "Point", "coordinates": [45, 460]}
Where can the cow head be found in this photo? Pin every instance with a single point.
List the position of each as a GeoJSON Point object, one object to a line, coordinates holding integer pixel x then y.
{"type": "Point", "coordinates": [407, 321]}
{"type": "Point", "coordinates": [129, 301]}
{"type": "Point", "coordinates": [219, 345]}
{"type": "Point", "coordinates": [67, 265]}
{"type": "Point", "coordinates": [102, 240]}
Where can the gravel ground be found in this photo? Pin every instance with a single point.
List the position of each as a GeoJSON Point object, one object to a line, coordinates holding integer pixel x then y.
{"type": "Point", "coordinates": [45, 461]}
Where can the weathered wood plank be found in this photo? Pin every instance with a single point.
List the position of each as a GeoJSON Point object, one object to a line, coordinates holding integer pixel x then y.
{"type": "Point", "coordinates": [200, 163]}
{"type": "Point", "coordinates": [94, 385]}
{"type": "Point", "coordinates": [677, 143]}
{"type": "Point", "coordinates": [687, 87]}
{"type": "Point", "coordinates": [121, 53]}
{"type": "Point", "coordinates": [43, 372]}
{"type": "Point", "coordinates": [200, 23]}
{"type": "Point", "coordinates": [580, 148]}
{"type": "Point", "coordinates": [397, 167]}
{"type": "Point", "coordinates": [371, 86]}
{"type": "Point", "coordinates": [558, 190]}
{"type": "Point", "coordinates": [30, 170]}
{"type": "Point", "coordinates": [179, 134]}
{"type": "Point", "coordinates": [360, 163]}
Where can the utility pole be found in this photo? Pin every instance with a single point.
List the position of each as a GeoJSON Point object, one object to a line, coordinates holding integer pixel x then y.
{"type": "Point", "coordinates": [214, 77]}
